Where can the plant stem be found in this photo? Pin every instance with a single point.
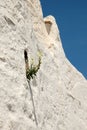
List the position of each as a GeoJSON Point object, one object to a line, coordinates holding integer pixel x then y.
{"type": "Point", "coordinates": [34, 112]}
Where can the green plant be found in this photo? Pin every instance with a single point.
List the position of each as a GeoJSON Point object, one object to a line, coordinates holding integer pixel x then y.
{"type": "Point", "coordinates": [31, 72]}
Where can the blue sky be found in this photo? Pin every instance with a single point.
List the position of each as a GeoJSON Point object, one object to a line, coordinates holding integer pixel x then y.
{"type": "Point", "coordinates": [71, 17]}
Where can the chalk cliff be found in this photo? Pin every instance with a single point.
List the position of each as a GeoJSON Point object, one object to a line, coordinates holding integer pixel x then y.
{"type": "Point", "coordinates": [59, 91]}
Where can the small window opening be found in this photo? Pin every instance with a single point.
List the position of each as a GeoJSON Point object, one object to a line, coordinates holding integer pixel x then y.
{"type": "Point", "coordinates": [48, 25]}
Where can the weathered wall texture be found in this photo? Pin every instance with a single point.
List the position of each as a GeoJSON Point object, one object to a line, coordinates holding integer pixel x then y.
{"type": "Point", "coordinates": [59, 90]}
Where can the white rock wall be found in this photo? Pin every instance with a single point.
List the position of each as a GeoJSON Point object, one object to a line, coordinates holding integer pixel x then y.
{"type": "Point", "coordinates": [59, 90]}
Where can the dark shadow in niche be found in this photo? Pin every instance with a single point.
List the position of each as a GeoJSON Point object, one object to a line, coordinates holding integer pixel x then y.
{"type": "Point", "coordinates": [48, 25]}
{"type": "Point", "coordinates": [26, 60]}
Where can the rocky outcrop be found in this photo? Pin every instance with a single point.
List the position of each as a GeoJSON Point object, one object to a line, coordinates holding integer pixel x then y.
{"type": "Point", "coordinates": [56, 98]}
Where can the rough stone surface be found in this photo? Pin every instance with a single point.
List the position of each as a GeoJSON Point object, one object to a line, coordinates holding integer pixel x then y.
{"type": "Point", "coordinates": [59, 90]}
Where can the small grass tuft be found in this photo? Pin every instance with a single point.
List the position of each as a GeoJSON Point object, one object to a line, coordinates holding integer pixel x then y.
{"type": "Point", "coordinates": [31, 72]}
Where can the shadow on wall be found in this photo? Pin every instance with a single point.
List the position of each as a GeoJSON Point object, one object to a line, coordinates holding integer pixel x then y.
{"type": "Point", "coordinates": [48, 25]}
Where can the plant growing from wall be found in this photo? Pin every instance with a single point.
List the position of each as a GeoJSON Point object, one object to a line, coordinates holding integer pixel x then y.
{"type": "Point", "coordinates": [31, 71]}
